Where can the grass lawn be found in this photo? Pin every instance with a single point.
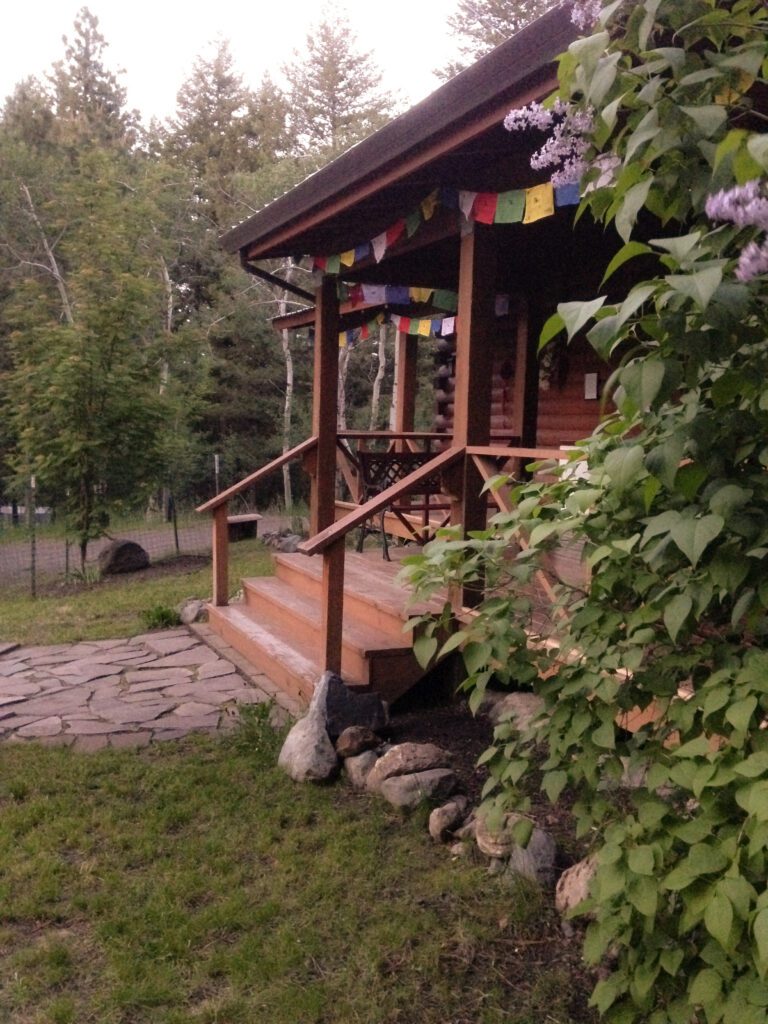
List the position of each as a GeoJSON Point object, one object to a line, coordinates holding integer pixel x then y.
{"type": "Point", "coordinates": [193, 882]}
{"type": "Point", "coordinates": [113, 606]}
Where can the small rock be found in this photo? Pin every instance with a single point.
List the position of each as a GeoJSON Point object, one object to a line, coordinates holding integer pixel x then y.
{"type": "Point", "coordinates": [535, 861]}
{"type": "Point", "coordinates": [358, 767]}
{"type": "Point", "coordinates": [405, 759]}
{"type": "Point", "coordinates": [468, 830]}
{"type": "Point", "coordinates": [355, 739]}
{"type": "Point", "coordinates": [407, 791]}
{"type": "Point", "coordinates": [444, 819]}
{"type": "Point", "coordinates": [573, 885]}
{"type": "Point", "coordinates": [122, 556]}
{"type": "Point", "coordinates": [343, 707]}
{"type": "Point", "coordinates": [191, 610]}
{"type": "Point", "coordinates": [289, 543]}
{"type": "Point", "coordinates": [520, 708]}
{"type": "Point", "coordinates": [307, 754]}
{"type": "Point", "coordinates": [459, 849]}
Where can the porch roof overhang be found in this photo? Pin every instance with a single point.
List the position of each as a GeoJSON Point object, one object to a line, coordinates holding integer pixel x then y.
{"type": "Point", "coordinates": [455, 137]}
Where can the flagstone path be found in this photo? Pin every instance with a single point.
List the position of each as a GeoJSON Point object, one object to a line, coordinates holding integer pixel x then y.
{"type": "Point", "coordinates": [126, 693]}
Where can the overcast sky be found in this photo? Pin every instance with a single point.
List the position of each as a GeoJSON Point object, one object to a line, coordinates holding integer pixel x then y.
{"type": "Point", "coordinates": [156, 41]}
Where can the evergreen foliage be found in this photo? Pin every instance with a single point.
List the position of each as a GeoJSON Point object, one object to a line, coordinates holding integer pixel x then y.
{"type": "Point", "coordinates": [481, 25]}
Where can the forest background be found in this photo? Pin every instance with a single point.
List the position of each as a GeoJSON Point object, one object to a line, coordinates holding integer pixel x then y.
{"type": "Point", "coordinates": [132, 348]}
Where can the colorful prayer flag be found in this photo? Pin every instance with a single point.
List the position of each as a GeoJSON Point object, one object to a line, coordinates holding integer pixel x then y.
{"type": "Point", "coordinates": [428, 205]}
{"type": "Point", "coordinates": [420, 294]}
{"type": "Point", "coordinates": [347, 258]}
{"type": "Point", "coordinates": [466, 202]}
{"type": "Point", "coordinates": [567, 195]}
{"type": "Point", "coordinates": [379, 244]}
{"type": "Point", "coordinates": [510, 207]}
{"type": "Point", "coordinates": [484, 207]}
{"type": "Point", "coordinates": [539, 202]}
{"type": "Point", "coordinates": [394, 232]}
{"type": "Point", "coordinates": [412, 223]}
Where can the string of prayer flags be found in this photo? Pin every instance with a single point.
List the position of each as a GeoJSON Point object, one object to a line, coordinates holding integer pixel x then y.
{"type": "Point", "coordinates": [524, 205]}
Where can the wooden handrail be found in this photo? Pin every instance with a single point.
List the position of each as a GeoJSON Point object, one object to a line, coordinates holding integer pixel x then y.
{"type": "Point", "coordinates": [223, 496]}
{"type": "Point", "coordinates": [331, 534]}
{"type": "Point", "coordinates": [530, 454]}
{"type": "Point", "coordinates": [394, 435]}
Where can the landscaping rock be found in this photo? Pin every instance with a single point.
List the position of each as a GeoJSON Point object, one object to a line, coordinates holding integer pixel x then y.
{"type": "Point", "coordinates": [535, 861]}
{"type": "Point", "coordinates": [407, 791]}
{"type": "Point", "coordinates": [122, 556]}
{"type": "Point", "coordinates": [573, 885]}
{"type": "Point", "coordinates": [307, 754]}
{"type": "Point", "coordinates": [289, 543]}
{"type": "Point", "coordinates": [355, 739]}
{"type": "Point", "coordinates": [358, 767]}
{"type": "Point", "coordinates": [520, 708]}
{"type": "Point", "coordinates": [191, 610]}
{"type": "Point", "coordinates": [405, 759]}
{"type": "Point", "coordinates": [443, 820]}
{"type": "Point", "coordinates": [343, 707]}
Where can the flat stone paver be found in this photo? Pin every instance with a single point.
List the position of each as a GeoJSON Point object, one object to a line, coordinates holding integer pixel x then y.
{"type": "Point", "coordinates": [122, 693]}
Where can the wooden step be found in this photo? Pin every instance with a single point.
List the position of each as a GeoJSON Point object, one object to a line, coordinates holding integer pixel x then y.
{"type": "Point", "coordinates": [371, 594]}
{"type": "Point", "coordinates": [287, 660]}
{"type": "Point", "coordinates": [368, 656]}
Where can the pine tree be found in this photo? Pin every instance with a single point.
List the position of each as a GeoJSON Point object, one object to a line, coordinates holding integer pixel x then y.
{"type": "Point", "coordinates": [481, 25]}
{"type": "Point", "coordinates": [334, 90]}
{"type": "Point", "coordinates": [88, 98]}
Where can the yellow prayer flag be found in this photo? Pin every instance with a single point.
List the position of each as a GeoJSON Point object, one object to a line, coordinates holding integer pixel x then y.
{"type": "Point", "coordinates": [425, 328]}
{"type": "Point", "coordinates": [343, 339]}
{"type": "Point", "coordinates": [348, 258]}
{"type": "Point", "coordinates": [539, 202]}
{"type": "Point", "coordinates": [420, 294]}
{"type": "Point", "coordinates": [428, 205]}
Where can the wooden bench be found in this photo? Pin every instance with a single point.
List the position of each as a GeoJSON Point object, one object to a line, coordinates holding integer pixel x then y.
{"type": "Point", "coordinates": [243, 527]}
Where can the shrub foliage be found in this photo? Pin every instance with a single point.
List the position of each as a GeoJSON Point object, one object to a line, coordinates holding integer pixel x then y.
{"type": "Point", "coordinates": [672, 511]}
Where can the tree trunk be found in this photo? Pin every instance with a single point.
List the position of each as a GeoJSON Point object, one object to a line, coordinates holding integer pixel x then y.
{"type": "Point", "coordinates": [341, 418]}
{"type": "Point", "coordinates": [377, 381]}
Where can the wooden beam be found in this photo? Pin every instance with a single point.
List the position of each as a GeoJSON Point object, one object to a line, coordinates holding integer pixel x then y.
{"type": "Point", "coordinates": [325, 405]}
{"type": "Point", "coordinates": [332, 605]}
{"type": "Point", "coordinates": [406, 358]}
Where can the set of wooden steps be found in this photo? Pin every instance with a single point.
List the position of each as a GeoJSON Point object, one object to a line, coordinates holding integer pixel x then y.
{"type": "Point", "coordinates": [277, 625]}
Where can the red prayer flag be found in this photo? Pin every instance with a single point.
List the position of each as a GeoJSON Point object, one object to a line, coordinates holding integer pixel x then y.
{"type": "Point", "coordinates": [320, 262]}
{"type": "Point", "coordinates": [405, 325]}
{"type": "Point", "coordinates": [484, 207]}
{"type": "Point", "coordinates": [394, 232]}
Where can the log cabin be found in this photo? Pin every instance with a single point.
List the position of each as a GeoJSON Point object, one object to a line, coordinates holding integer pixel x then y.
{"type": "Point", "coordinates": [438, 222]}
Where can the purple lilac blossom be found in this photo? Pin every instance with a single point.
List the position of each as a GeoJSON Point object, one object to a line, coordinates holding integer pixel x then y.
{"type": "Point", "coordinates": [567, 144]}
{"type": "Point", "coordinates": [746, 206]}
{"type": "Point", "coordinates": [585, 13]}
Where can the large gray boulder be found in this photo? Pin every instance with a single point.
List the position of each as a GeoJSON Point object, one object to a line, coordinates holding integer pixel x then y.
{"type": "Point", "coordinates": [122, 556]}
{"type": "Point", "coordinates": [406, 759]}
{"type": "Point", "coordinates": [573, 885]}
{"type": "Point", "coordinates": [443, 820]}
{"type": "Point", "coordinates": [358, 768]}
{"type": "Point", "coordinates": [408, 791]}
{"type": "Point", "coordinates": [519, 708]}
{"type": "Point", "coordinates": [307, 754]}
{"type": "Point", "coordinates": [343, 707]}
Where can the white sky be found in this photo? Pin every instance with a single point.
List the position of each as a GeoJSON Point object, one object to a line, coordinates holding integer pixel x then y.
{"type": "Point", "coordinates": [156, 41]}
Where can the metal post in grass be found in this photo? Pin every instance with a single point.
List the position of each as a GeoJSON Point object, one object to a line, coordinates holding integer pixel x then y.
{"type": "Point", "coordinates": [31, 520]}
{"type": "Point", "coordinates": [216, 465]}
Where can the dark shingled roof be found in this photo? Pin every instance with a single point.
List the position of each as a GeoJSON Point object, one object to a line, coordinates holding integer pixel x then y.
{"type": "Point", "coordinates": [355, 196]}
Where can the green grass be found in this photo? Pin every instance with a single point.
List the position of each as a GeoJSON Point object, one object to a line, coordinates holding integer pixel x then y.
{"type": "Point", "coordinates": [193, 882]}
{"type": "Point", "coordinates": [114, 607]}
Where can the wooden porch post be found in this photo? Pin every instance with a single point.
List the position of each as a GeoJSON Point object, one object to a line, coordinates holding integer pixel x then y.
{"type": "Point", "coordinates": [405, 383]}
{"type": "Point", "coordinates": [525, 398]}
{"type": "Point", "coordinates": [324, 406]}
{"type": "Point", "coordinates": [475, 335]}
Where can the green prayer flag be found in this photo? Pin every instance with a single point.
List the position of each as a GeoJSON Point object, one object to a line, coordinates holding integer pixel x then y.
{"type": "Point", "coordinates": [412, 222]}
{"type": "Point", "coordinates": [449, 301]}
{"type": "Point", "coordinates": [510, 207]}
{"type": "Point", "coordinates": [333, 265]}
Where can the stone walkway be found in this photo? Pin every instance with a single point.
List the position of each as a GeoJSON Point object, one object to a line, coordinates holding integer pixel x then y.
{"type": "Point", "coordinates": [126, 693]}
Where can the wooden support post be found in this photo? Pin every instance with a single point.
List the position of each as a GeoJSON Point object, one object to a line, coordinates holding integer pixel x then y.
{"type": "Point", "coordinates": [405, 384]}
{"type": "Point", "coordinates": [324, 406]}
{"type": "Point", "coordinates": [332, 606]}
{"type": "Point", "coordinates": [476, 326]}
{"type": "Point", "coordinates": [525, 400]}
{"type": "Point", "coordinates": [220, 547]}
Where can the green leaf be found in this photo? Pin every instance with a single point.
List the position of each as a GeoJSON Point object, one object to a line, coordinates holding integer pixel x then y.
{"type": "Point", "coordinates": [424, 648]}
{"type": "Point", "coordinates": [692, 536]}
{"type": "Point", "coordinates": [642, 380]}
{"type": "Point", "coordinates": [641, 860]}
{"type": "Point", "coordinates": [708, 118]}
{"type": "Point", "coordinates": [706, 987]}
{"type": "Point", "coordinates": [605, 735]}
{"type": "Point", "coordinates": [553, 784]}
{"type": "Point", "coordinates": [552, 327]}
{"type": "Point", "coordinates": [732, 141]}
{"type": "Point", "coordinates": [740, 713]}
{"type": "Point", "coordinates": [679, 247]}
{"type": "Point", "coordinates": [631, 204]}
{"type": "Point", "coordinates": [718, 919]}
{"type": "Point", "coordinates": [699, 286]}
{"type": "Point", "coordinates": [676, 612]}
{"type": "Point", "coordinates": [625, 253]}
{"type": "Point", "coordinates": [757, 147]}
{"type": "Point", "coordinates": [476, 656]}
{"type": "Point", "coordinates": [624, 466]}
{"type": "Point", "coordinates": [760, 933]}
{"type": "Point", "coordinates": [576, 314]}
